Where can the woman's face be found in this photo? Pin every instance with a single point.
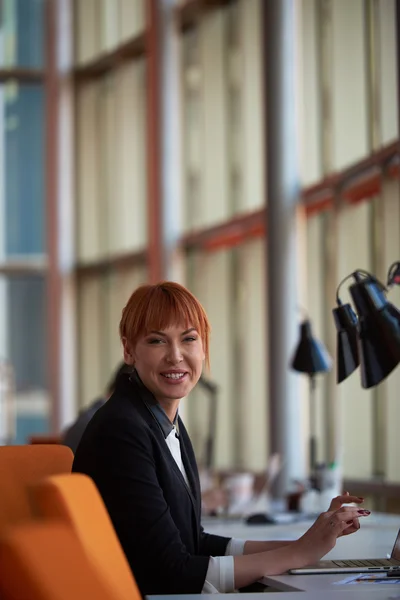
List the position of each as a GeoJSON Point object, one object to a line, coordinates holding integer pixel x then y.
{"type": "Point", "coordinates": [169, 362]}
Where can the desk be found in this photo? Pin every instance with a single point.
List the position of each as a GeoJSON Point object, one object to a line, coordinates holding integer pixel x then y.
{"type": "Point", "coordinates": [375, 539]}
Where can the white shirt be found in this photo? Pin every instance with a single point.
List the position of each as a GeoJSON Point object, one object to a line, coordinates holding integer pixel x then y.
{"type": "Point", "coordinates": [220, 577]}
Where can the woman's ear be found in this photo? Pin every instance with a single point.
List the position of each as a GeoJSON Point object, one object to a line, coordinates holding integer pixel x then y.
{"type": "Point", "coordinates": [128, 352]}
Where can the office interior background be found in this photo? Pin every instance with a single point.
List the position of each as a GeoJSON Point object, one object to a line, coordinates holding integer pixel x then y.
{"type": "Point", "coordinates": [86, 213]}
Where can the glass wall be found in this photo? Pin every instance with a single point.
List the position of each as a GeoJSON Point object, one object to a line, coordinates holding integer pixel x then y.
{"type": "Point", "coordinates": [344, 116]}
{"type": "Point", "coordinates": [222, 115]}
{"type": "Point", "coordinates": [23, 169]}
{"type": "Point", "coordinates": [343, 121]}
{"type": "Point", "coordinates": [24, 346]}
{"type": "Point", "coordinates": [348, 110]}
{"type": "Point", "coordinates": [223, 169]}
{"type": "Point", "coordinates": [101, 299]}
{"type": "Point", "coordinates": [22, 34]}
{"type": "Point", "coordinates": [111, 182]}
{"type": "Point", "coordinates": [103, 25]}
{"type": "Point", "coordinates": [23, 227]}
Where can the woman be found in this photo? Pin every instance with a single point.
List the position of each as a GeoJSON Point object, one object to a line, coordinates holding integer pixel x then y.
{"type": "Point", "coordinates": [138, 452]}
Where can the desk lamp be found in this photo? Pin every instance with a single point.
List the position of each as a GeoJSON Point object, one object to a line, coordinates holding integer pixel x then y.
{"type": "Point", "coordinates": [311, 357]}
{"type": "Point", "coordinates": [370, 338]}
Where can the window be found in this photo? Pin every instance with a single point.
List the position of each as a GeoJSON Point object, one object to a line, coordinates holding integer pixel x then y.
{"type": "Point", "coordinates": [23, 343]}
{"type": "Point", "coordinates": [211, 281]}
{"type": "Point", "coordinates": [311, 160]}
{"type": "Point", "coordinates": [21, 164]}
{"type": "Point", "coordinates": [251, 364]}
{"type": "Point", "coordinates": [355, 251]}
{"type": "Point", "coordinates": [349, 83]}
{"type": "Point", "coordinates": [101, 298]}
{"type": "Point", "coordinates": [22, 33]}
{"type": "Point", "coordinates": [102, 25]}
{"type": "Point", "coordinates": [193, 129]}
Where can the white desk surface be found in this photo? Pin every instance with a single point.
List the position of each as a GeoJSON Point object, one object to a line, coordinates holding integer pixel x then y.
{"type": "Point", "coordinates": [374, 540]}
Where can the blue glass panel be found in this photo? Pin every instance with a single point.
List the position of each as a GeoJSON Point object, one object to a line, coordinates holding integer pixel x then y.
{"type": "Point", "coordinates": [28, 425]}
{"type": "Point", "coordinates": [24, 345]}
{"type": "Point", "coordinates": [27, 337]}
{"type": "Point", "coordinates": [23, 117]}
{"type": "Point", "coordinates": [22, 33]}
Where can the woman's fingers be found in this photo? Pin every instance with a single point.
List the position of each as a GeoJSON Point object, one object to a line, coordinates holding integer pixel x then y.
{"type": "Point", "coordinates": [352, 527]}
{"type": "Point", "coordinates": [356, 522]}
{"type": "Point", "coordinates": [345, 498]}
{"type": "Point", "coordinates": [346, 517]}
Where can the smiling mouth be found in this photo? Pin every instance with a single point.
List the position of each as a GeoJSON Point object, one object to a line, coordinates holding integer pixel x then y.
{"type": "Point", "coordinates": [174, 376]}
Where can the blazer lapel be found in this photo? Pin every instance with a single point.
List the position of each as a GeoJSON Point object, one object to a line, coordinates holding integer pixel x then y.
{"type": "Point", "coordinates": [193, 489]}
{"type": "Point", "coordinates": [192, 477]}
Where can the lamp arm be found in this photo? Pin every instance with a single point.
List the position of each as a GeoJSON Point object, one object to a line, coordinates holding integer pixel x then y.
{"type": "Point", "coordinates": [358, 274]}
{"type": "Point", "coordinates": [338, 300]}
{"type": "Point", "coordinates": [393, 274]}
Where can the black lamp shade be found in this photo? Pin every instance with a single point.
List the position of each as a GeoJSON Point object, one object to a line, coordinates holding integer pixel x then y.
{"type": "Point", "coordinates": [379, 332]}
{"type": "Point", "coordinates": [311, 355]}
{"type": "Point", "coordinates": [346, 347]}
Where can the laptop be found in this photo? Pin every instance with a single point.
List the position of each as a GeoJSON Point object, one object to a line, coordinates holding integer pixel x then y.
{"type": "Point", "coordinates": [362, 565]}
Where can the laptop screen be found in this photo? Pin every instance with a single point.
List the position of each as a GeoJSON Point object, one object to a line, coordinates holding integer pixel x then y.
{"type": "Point", "coordinates": [396, 548]}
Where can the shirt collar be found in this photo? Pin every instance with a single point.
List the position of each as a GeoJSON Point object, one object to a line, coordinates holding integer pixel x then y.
{"type": "Point", "coordinates": [163, 420]}
{"type": "Point", "coordinates": [157, 410]}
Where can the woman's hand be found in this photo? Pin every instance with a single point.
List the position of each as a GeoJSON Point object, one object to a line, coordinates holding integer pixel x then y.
{"type": "Point", "coordinates": [338, 502]}
{"type": "Point", "coordinates": [313, 545]}
{"type": "Point", "coordinates": [322, 535]}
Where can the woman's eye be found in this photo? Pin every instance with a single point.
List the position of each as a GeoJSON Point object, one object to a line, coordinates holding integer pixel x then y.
{"type": "Point", "coordinates": [155, 341]}
{"type": "Point", "coordinates": [190, 339]}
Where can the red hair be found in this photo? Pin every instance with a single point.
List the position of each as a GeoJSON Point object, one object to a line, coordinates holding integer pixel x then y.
{"type": "Point", "coordinates": [156, 307]}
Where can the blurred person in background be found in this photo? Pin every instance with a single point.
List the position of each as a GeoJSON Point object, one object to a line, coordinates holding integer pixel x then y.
{"type": "Point", "coordinates": [139, 454]}
{"type": "Point", "coordinates": [72, 435]}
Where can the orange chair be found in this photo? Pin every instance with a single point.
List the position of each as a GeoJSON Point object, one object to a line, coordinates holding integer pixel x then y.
{"type": "Point", "coordinates": [46, 562]}
{"type": "Point", "coordinates": [76, 501]}
{"type": "Point", "coordinates": [20, 467]}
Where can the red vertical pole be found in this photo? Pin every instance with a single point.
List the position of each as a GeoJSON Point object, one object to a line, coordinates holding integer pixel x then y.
{"type": "Point", "coordinates": [51, 184]}
{"type": "Point", "coordinates": [154, 200]}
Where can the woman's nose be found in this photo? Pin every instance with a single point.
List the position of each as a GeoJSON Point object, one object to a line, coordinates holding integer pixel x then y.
{"type": "Point", "coordinates": [174, 354]}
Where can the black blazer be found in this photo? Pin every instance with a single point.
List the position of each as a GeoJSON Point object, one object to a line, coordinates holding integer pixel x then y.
{"type": "Point", "coordinates": [155, 514]}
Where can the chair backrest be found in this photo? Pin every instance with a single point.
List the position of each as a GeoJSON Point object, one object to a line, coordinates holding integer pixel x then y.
{"type": "Point", "coordinates": [75, 500]}
{"type": "Point", "coordinates": [45, 561]}
{"type": "Point", "coordinates": [22, 466]}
